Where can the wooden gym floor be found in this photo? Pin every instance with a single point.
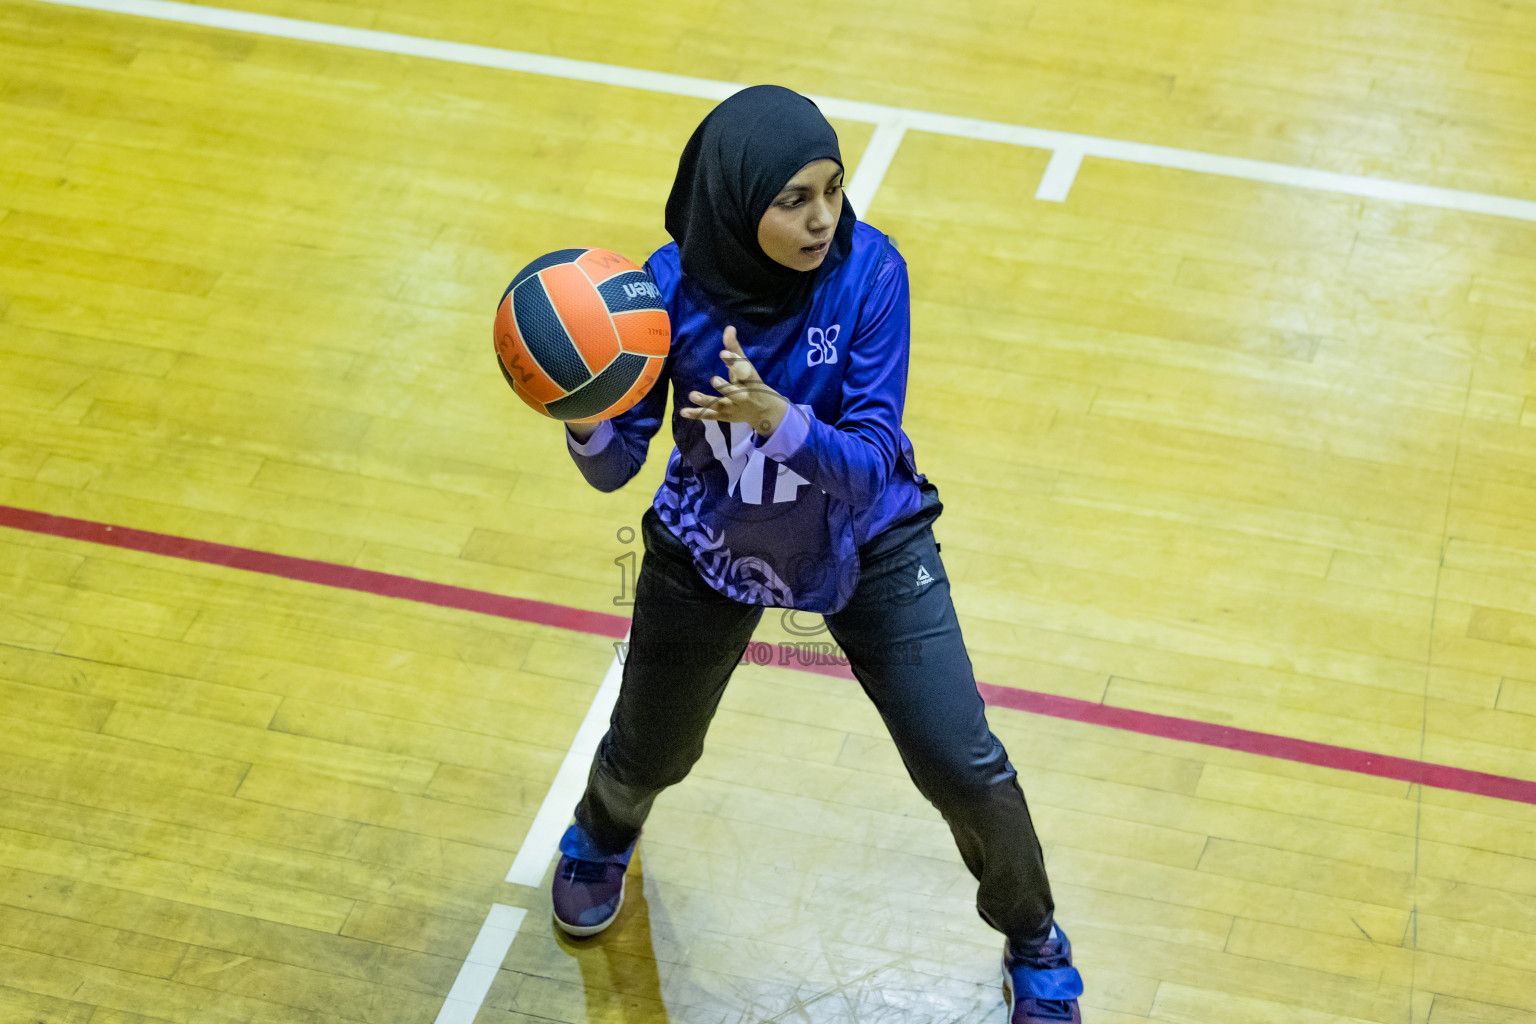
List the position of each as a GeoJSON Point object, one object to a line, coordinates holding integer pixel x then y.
{"type": "Point", "coordinates": [1232, 452]}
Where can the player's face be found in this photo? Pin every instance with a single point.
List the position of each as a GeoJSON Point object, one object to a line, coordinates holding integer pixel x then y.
{"type": "Point", "coordinates": [797, 229]}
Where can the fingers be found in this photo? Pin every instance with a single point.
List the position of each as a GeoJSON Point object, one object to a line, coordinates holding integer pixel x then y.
{"type": "Point", "coordinates": [733, 403]}
{"type": "Point", "coordinates": [741, 368]}
{"type": "Point", "coordinates": [706, 407]}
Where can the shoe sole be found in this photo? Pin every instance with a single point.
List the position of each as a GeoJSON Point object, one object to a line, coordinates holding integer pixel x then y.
{"type": "Point", "coordinates": [587, 931]}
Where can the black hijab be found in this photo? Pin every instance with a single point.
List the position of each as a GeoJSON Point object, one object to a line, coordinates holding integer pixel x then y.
{"type": "Point", "coordinates": [739, 158]}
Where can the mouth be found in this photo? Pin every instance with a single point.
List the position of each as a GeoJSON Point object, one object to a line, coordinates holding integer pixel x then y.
{"type": "Point", "coordinates": [816, 250]}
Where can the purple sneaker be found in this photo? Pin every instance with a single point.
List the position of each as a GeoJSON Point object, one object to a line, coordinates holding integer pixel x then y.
{"type": "Point", "coordinates": [589, 884]}
{"type": "Point", "coordinates": [1042, 986]}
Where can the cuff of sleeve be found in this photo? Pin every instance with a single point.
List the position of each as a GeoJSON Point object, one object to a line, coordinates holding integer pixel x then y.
{"type": "Point", "coordinates": [790, 435]}
{"type": "Point", "coordinates": [594, 444]}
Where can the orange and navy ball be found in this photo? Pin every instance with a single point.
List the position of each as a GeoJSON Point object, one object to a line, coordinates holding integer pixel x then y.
{"type": "Point", "coordinates": [581, 334]}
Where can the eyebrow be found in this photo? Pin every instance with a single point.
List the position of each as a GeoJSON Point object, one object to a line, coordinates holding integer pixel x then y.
{"type": "Point", "coordinates": [802, 189]}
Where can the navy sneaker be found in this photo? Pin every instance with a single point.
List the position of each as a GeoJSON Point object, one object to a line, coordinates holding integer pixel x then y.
{"type": "Point", "coordinates": [1042, 986]}
{"type": "Point", "coordinates": [589, 884]}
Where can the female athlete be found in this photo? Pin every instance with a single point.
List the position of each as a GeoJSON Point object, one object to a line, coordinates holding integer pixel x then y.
{"type": "Point", "coordinates": [792, 485]}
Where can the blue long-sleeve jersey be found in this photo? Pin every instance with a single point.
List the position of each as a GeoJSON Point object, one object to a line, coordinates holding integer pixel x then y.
{"type": "Point", "coordinates": [779, 521]}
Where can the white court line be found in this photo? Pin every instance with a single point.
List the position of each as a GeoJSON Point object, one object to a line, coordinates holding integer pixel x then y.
{"type": "Point", "coordinates": [409, 46]}
{"type": "Point", "coordinates": [533, 857]}
{"type": "Point", "coordinates": [479, 969]}
{"type": "Point", "coordinates": [876, 160]}
{"type": "Point", "coordinates": [1059, 174]}
{"type": "Point", "coordinates": [853, 110]}
{"type": "Point", "coordinates": [549, 824]}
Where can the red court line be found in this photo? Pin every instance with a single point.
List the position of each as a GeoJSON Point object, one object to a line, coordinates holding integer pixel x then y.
{"type": "Point", "coordinates": [603, 624]}
{"type": "Point", "coordinates": [309, 570]}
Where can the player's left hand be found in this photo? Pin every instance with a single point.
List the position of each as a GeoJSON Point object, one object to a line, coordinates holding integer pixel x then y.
{"type": "Point", "coordinates": [742, 399]}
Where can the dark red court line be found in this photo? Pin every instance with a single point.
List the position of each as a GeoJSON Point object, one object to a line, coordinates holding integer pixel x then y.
{"type": "Point", "coordinates": [603, 624]}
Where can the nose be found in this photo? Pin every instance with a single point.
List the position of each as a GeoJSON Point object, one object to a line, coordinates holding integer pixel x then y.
{"type": "Point", "coordinates": [821, 216]}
